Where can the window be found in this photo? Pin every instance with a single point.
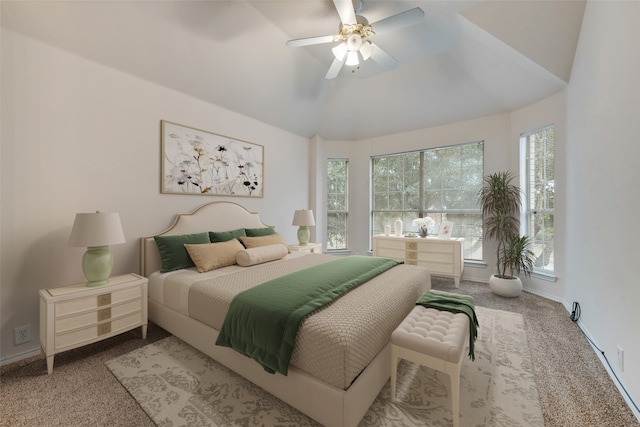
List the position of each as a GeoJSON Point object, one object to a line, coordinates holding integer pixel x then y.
{"type": "Point", "coordinates": [539, 187]}
{"type": "Point", "coordinates": [337, 204]}
{"type": "Point", "coordinates": [440, 182]}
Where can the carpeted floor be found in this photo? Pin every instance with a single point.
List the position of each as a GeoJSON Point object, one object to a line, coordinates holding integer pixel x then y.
{"type": "Point", "coordinates": [574, 387]}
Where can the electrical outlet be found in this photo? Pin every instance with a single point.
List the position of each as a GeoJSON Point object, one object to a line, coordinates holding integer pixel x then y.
{"type": "Point", "coordinates": [22, 334]}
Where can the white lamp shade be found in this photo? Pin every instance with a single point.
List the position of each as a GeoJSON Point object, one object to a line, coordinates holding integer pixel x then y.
{"type": "Point", "coordinates": [340, 51]}
{"type": "Point", "coordinates": [366, 50]}
{"type": "Point", "coordinates": [303, 218]}
{"type": "Point", "coordinates": [96, 229]}
{"type": "Point", "coordinates": [352, 58]}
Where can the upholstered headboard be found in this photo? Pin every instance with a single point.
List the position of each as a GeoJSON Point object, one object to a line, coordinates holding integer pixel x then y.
{"type": "Point", "coordinates": [214, 216]}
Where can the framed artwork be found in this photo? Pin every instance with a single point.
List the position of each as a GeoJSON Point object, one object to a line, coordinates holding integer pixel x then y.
{"type": "Point", "coordinates": [195, 161]}
{"type": "Point", "coordinates": [446, 227]}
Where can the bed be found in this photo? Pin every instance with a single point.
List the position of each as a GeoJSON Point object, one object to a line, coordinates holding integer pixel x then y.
{"type": "Point", "coordinates": [343, 329]}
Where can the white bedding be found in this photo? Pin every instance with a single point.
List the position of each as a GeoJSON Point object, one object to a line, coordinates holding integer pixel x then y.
{"type": "Point", "coordinates": [172, 288]}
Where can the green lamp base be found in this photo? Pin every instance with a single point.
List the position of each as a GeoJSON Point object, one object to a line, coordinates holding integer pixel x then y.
{"type": "Point", "coordinates": [303, 235]}
{"type": "Point", "coordinates": [97, 263]}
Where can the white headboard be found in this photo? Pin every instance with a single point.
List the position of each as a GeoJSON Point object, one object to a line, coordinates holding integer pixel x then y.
{"type": "Point", "coordinates": [214, 216]}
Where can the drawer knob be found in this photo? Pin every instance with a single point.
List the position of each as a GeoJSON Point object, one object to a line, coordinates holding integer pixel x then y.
{"type": "Point", "coordinates": [104, 299]}
{"type": "Point", "coordinates": [104, 314]}
{"type": "Point", "coordinates": [104, 328]}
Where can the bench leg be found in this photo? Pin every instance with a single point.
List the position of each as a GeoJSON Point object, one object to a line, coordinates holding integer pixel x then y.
{"type": "Point", "coordinates": [394, 371]}
{"type": "Point", "coordinates": [455, 397]}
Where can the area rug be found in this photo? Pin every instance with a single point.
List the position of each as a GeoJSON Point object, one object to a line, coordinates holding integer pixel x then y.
{"type": "Point", "coordinates": [176, 385]}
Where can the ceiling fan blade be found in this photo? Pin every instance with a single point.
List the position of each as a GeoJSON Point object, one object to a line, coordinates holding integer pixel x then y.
{"type": "Point", "coordinates": [383, 59]}
{"type": "Point", "coordinates": [310, 40]}
{"type": "Point", "coordinates": [401, 20]}
{"type": "Point", "coordinates": [335, 68]}
{"type": "Point", "coordinates": [345, 11]}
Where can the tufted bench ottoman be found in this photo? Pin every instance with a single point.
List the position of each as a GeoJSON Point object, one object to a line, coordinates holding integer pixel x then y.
{"type": "Point", "coordinates": [435, 339]}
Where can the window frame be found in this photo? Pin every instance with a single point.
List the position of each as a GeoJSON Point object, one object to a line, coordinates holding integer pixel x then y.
{"type": "Point", "coordinates": [528, 212]}
{"type": "Point", "coordinates": [345, 211]}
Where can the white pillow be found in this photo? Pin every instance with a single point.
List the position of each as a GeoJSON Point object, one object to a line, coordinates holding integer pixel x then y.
{"type": "Point", "coordinates": [260, 254]}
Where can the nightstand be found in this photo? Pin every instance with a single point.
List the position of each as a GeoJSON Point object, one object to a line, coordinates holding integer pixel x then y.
{"type": "Point", "coordinates": [314, 248]}
{"type": "Point", "coordinates": [76, 315]}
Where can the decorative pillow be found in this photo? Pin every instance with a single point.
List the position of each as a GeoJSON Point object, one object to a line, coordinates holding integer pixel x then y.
{"type": "Point", "coordinates": [253, 256]}
{"type": "Point", "coordinates": [254, 242]}
{"type": "Point", "coordinates": [172, 252]}
{"type": "Point", "coordinates": [223, 236]}
{"type": "Point", "coordinates": [210, 256]}
{"type": "Point", "coordinates": [255, 232]}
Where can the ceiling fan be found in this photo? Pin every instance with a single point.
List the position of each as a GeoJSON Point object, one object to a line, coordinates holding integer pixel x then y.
{"type": "Point", "coordinates": [354, 36]}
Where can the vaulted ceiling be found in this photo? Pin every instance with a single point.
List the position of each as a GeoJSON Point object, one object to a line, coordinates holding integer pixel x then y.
{"type": "Point", "coordinates": [467, 59]}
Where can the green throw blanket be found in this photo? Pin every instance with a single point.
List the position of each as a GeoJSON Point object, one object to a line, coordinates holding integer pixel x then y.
{"type": "Point", "coordinates": [262, 322]}
{"type": "Point", "coordinates": [456, 304]}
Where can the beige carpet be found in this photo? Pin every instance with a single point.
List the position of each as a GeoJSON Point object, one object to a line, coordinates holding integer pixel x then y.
{"type": "Point", "coordinates": [177, 385]}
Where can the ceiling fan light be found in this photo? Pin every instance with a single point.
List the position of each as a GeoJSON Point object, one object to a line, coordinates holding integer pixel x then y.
{"type": "Point", "coordinates": [339, 51]}
{"type": "Point", "coordinates": [352, 58]}
{"type": "Point", "coordinates": [366, 49]}
{"type": "Point", "coordinates": [353, 42]}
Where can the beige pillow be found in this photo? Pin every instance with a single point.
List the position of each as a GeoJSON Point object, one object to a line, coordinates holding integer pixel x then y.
{"type": "Point", "coordinates": [272, 239]}
{"type": "Point", "coordinates": [253, 256]}
{"type": "Point", "coordinates": [209, 256]}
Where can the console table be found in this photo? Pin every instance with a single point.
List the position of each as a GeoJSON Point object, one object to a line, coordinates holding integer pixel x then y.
{"type": "Point", "coordinates": [442, 257]}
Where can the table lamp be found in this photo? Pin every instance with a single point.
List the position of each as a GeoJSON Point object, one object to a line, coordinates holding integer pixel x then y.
{"type": "Point", "coordinates": [303, 219]}
{"type": "Point", "coordinates": [96, 231]}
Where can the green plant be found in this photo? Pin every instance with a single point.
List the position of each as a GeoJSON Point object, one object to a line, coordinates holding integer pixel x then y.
{"type": "Point", "coordinates": [517, 256]}
{"type": "Point", "coordinates": [500, 202]}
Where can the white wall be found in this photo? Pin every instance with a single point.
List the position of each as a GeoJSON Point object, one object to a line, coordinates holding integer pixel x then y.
{"type": "Point", "coordinates": [603, 182]}
{"type": "Point", "coordinates": [78, 136]}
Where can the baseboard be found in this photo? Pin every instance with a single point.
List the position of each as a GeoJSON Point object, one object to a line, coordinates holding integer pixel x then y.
{"type": "Point", "coordinates": [544, 295]}
{"type": "Point", "coordinates": [607, 366]}
{"type": "Point", "coordinates": [20, 356]}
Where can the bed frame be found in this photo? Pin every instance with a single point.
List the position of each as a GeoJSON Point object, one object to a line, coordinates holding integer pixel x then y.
{"type": "Point", "coordinates": [326, 404]}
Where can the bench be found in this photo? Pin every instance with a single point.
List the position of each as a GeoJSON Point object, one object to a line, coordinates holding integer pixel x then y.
{"type": "Point", "coordinates": [435, 339]}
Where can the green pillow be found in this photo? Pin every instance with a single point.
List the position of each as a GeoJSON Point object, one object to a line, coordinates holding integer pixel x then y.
{"type": "Point", "coordinates": [225, 236]}
{"type": "Point", "coordinates": [257, 232]}
{"type": "Point", "coordinates": [173, 254]}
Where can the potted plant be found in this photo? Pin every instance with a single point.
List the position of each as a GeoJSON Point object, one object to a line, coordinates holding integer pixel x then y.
{"type": "Point", "coordinates": [500, 202]}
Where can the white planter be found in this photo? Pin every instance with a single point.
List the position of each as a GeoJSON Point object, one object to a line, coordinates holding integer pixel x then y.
{"type": "Point", "coordinates": [509, 288]}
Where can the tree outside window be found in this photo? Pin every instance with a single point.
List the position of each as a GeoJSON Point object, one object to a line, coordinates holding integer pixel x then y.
{"type": "Point", "coordinates": [337, 204]}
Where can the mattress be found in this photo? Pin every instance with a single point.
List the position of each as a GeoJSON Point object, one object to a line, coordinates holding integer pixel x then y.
{"type": "Point", "coordinates": [334, 343]}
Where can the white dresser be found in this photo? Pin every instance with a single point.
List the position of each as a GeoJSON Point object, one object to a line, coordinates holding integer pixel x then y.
{"type": "Point", "coordinates": [442, 257]}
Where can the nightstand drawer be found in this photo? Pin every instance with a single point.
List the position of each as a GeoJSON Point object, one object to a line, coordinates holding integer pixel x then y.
{"type": "Point", "coordinates": [98, 315]}
{"type": "Point", "coordinates": [83, 335]}
{"type": "Point", "coordinates": [64, 308]}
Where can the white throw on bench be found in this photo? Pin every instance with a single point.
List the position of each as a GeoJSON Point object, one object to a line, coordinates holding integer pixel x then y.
{"type": "Point", "coordinates": [435, 339]}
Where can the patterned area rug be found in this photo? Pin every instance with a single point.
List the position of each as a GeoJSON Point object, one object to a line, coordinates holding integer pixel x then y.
{"type": "Point", "coordinates": [177, 385]}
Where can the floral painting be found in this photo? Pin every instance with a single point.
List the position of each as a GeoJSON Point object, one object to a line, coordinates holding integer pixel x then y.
{"type": "Point", "coordinates": [199, 162]}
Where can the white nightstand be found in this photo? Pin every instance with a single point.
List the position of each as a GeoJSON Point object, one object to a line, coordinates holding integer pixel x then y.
{"type": "Point", "coordinates": [314, 248]}
{"type": "Point", "coordinates": [75, 315]}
